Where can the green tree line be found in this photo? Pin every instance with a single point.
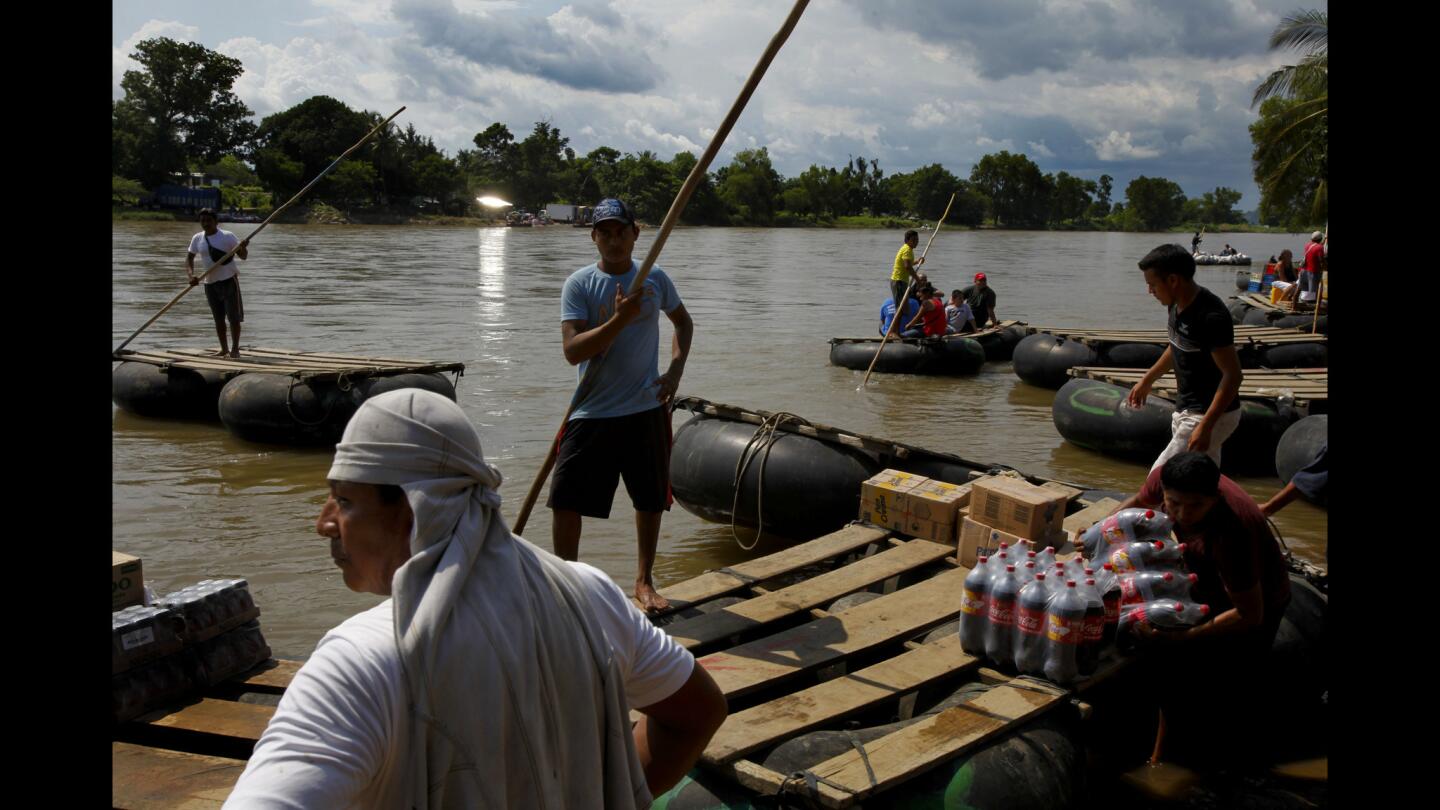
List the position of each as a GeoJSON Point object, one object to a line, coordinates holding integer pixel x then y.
{"type": "Point", "coordinates": [179, 115]}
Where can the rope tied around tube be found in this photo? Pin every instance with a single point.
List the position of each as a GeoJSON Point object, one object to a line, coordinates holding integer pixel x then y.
{"type": "Point", "coordinates": [760, 443]}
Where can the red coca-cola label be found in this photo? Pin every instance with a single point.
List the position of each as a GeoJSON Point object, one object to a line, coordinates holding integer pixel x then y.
{"type": "Point", "coordinates": [1094, 628]}
{"type": "Point", "coordinates": [1063, 630]}
{"type": "Point", "coordinates": [1130, 592]}
{"type": "Point", "coordinates": [1030, 621]}
{"type": "Point", "coordinates": [1002, 613]}
{"type": "Point", "coordinates": [972, 604]}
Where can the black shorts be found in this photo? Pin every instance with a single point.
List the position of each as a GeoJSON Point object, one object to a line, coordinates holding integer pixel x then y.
{"type": "Point", "coordinates": [224, 298]}
{"type": "Point", "coordinates": [595, 453]}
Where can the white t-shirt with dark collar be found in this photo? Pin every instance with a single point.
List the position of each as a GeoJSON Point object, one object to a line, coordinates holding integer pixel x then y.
{"type": "Point", "coordinates": [221, 241]}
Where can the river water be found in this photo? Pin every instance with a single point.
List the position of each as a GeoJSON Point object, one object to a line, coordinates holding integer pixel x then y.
{"type": "Point", "coordinates": [194, 502]}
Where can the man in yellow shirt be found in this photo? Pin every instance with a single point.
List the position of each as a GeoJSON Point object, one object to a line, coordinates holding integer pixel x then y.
{"type": "Point", "coordinates": [905, 267]}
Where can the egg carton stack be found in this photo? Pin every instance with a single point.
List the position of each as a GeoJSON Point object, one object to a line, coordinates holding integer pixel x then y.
{"type": "Point", "coordinates": [1150, 565]}
{"type": "Point", "coordinates": [187, 641]}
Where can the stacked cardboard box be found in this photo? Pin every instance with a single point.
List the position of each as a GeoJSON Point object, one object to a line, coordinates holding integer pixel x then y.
{"type": "Point", "coordinates": [127, 587]}
{"type": "Point", "coordinates": [913, 504]}
{"type": "Point", "coordinates": [1011, 510]}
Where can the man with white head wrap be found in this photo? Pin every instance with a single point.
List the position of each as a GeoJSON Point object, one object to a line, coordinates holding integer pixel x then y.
{"type": "Point", "coordinates": [497, 675]}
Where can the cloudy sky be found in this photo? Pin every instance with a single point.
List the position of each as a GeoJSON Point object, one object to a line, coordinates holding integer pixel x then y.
{"type": "Point", "coordinates": [1091, 87]}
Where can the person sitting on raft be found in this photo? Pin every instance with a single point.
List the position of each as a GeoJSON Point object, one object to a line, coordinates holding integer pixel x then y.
{"type": "Point", "coordinates": [958, 314]}
{"type": "Point", "coordinates": [887, 312]}
{"type": "Point", "coordinates": [932, 313]}
{"type": "Point", "coordinates": [1285, 272]}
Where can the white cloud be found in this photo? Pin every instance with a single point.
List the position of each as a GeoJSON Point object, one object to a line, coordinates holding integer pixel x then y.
{"type": "Point", "coordinates": [1116, 146]}
{"type": "Point", "coordinates": [665, 144]}
{"type": "Point", "coordinates": [1083, 86]}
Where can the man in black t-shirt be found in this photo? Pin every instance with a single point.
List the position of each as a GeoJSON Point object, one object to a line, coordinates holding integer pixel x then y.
{"type": "Point", "coordinates": [1202, 352]}
{"type": "Point", "coordinates": [981, 300]}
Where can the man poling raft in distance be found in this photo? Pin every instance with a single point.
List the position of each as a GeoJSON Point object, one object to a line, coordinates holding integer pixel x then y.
{"type": "Point", "coordinates": [222, 284]}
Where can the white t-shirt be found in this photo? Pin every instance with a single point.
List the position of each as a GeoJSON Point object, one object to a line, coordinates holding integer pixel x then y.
{"type": "Point", "coordinates": [222, 241]}
{"type": "Point", "coordinates": [337, 735]}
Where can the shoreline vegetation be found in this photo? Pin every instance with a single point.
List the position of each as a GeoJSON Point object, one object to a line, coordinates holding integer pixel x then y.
{"type": "Point", "coordinates": [322, 214]}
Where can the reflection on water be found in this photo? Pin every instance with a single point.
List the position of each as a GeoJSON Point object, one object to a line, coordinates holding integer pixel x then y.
{"type": "Point", "coordinates": [194, 502]}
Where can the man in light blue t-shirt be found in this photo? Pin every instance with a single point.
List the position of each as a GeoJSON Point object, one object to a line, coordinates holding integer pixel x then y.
{"type": "Point", "coordinates": [622, 427]}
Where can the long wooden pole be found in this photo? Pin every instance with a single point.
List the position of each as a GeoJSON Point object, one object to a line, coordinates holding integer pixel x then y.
{"type": "Point", "coordinates": [671, 217]}
{"type": "Point", "coordinates": [256, 232]}
{"type": "Point", "coordinates": [1320, 287]}
{"type": "Point", "coordinates": [894, 319]}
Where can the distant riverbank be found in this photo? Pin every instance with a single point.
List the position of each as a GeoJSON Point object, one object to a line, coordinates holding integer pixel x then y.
{"type": "Point", "coordinates": [322, 214]}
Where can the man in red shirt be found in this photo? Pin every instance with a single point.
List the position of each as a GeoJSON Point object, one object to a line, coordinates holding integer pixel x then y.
{"type": "Point", "coordinates": [1311, 269]}
{"type": "Point", "coordinates": [1215, 666]}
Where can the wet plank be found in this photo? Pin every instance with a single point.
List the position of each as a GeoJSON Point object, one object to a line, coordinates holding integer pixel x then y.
{"type": "Point", "coordinates": [748, 667]}
{"type": "Point", "coordinates": [219, 718]}
{"type": "Point", "coordinates": [737, 577]}
{"type": "Point", "coordinates": [274, 674]}
{"type": "Point", "coordinates": [143, 778]}
{"type": "Point", "coordinates": [804, 595]}
{"type": "Point", "coordinates": [917, 748]}
{"type": "Point", "coordinates": [797, 713]}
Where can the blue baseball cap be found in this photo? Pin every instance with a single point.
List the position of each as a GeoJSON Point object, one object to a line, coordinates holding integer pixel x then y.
{"type": "Point", "coordinates": [612, 208]}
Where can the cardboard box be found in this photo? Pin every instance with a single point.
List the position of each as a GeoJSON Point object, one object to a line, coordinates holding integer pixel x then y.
{"type": "Point", "coordinates": [975, 538]}
{"type": "Point", "coordinates": [127, 584]}
{"type": "Point", "coordinates": [1017, 507]}
{"type": "Point", "coordinates": [884, 498]}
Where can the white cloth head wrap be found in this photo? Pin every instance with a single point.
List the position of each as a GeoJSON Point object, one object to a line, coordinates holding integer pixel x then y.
{"type": "Point", "coordinates": [492, 631]}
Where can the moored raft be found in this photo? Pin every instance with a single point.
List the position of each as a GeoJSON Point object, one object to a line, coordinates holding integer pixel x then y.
{"type": "Point", "coordinates": [1091, 411]}
{"type": "Point", "coordinates": [1255, 309]}
{"type": "Point", "coordinates": [788, 476]}
{"type": "Point", "coordinates": [948, 355]}
{"type": "Point", "coordinates": [278, 396]}
{"type": "Point", "coordinates": [1046, 355]}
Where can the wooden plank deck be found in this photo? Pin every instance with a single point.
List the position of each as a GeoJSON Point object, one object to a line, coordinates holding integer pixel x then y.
{"type": "Point", "coordinates": [802, 596]}
{"type": "Point", "coordinates": [261, 360]}
{"type": "Point", "coordinates": [169, 769]}
{"type": "Point", "coordinates": [1262, 301]}
{"type": "Point", "coordinates": [1304, 384]}
{"type": "Point", "coordinates": [1259, 335]}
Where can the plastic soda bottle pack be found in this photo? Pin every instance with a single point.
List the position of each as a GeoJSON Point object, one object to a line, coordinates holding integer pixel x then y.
{"type": "Point", "coordinates": [1141, 572]}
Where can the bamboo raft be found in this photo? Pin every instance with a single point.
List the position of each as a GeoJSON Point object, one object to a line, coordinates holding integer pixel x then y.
{"type": "Point", "coordinates": [1244, 335]}
{"type": "Point", "coordinates": [764, 653]}
{"type": "Point", "coordinates": [298, 364]}
{"type": "Point", "coordinates": [1308, 386]}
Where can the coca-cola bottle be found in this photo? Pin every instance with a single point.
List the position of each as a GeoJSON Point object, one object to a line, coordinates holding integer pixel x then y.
{"type": "Point", "coordinates": [1046, 558]}
{"type": "Point", "coordinates": [1148, 586]}
{"type": "Point", "coordinates": [1000, 632]}
{"type": "Point", "coordinates": [1055, 577]}
{"type": "Point", "coordinates": [1030, 627]}
{"type": "Point", "coordinates": [1125, 526]}
{"type": "Point", "coordinates": [1093, 638]}
{"type": "Point", "coordinates": [1107, 582]}
{"type": "Point", "coordinates": [1065, 627]}
{"type": "Point", "coordinates": [1145, 555]}
{"type": "Point", "coordinates": [974, 608]}
{"type": "Point", "coordinates": [1164, 613]}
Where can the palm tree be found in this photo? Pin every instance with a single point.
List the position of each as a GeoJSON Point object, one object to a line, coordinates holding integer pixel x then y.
{"type": "Point", "coordinates": [1303, 134]}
